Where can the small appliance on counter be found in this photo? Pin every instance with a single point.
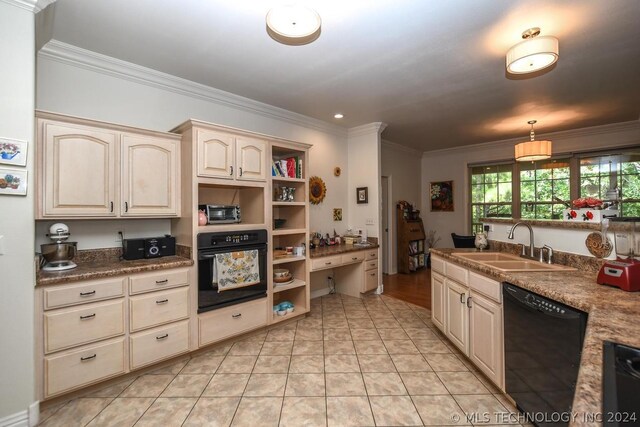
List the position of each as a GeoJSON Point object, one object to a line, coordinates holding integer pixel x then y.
{"type": "Point", "coordinates": [624, 271]}
{"type": "Point", "coordinates": [154, 247]}
{"type": "Point", "coordinates": [58, 255]}
{"type": "Point", "coordinates": [221, 214]}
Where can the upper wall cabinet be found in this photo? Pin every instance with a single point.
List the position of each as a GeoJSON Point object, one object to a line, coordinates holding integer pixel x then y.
{"type": "Point", "coordinates": [98, 170]}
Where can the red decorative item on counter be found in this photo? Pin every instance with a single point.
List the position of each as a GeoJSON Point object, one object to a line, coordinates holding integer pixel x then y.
{"type": "Point", "coordinates": [588, 216]}
{"type": "Point", "coordinates": [587, 202]}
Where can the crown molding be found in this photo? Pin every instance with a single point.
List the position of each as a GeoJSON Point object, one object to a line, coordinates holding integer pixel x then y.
{"type": "Point", "coordinates": [34, 6]}
{"type": "Point", "coordinates": [58, 51]}
{"type": "Point", "coordinates": [397, 147]}
{"type": "Point", "coordinates": [369, 128]}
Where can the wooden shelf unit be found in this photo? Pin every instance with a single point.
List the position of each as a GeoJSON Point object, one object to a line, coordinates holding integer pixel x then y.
{"type": "Point", "coordinates": [411, 244]}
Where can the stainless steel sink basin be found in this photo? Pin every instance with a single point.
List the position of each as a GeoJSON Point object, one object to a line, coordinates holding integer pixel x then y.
{"type": "Point", "coordinates": [487, 256]}
{"type": "Point", "coordinates": [525, 265]}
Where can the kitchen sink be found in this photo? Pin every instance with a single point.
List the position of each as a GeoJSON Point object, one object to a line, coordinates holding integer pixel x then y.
{"type": "Point", "coordinates": [525, 265]}
{"type": "Point", "coordinates": [487, 256]}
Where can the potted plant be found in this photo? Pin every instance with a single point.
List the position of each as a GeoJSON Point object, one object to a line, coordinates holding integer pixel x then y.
{"type": "Point", "coordinates": [430, 241]}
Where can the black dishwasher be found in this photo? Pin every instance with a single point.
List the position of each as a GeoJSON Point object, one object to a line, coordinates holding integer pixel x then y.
{"type": "Point", "coordinates": [542, 342]}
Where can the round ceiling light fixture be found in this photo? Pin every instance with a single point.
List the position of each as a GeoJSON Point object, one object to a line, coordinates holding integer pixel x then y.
{"type": "Point", "coordinates": [338, 116]}
{"type": "Point", "coordinates": [293, 25]}
{"type": "Point", "coordinates": [530, 151]}
{"type": "Point", "coordinates": [533, 54]}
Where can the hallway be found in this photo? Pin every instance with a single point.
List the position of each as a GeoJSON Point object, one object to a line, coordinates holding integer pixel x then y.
{"type": "Point", "coordinates": [414, 288]}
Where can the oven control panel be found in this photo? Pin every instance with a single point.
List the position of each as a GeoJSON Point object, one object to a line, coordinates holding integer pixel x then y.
{"type": "Point", "coordinates": [231, 239]}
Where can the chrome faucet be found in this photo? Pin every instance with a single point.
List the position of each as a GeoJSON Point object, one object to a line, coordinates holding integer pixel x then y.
{"type": "Point", "coordinates": [550, 256]}
{"type": "Point", "coordinates": [510, 236]}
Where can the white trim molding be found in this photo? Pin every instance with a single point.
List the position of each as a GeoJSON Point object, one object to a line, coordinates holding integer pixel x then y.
{"type": "Point", "coordinates": [376, 127]}
{"type": "Point", "coordinates": [34, 6]}
{"type": "Point", "coordinates": [320, 292]}
{"type": "Point", "coordinates": [20, 419]}
{"type": "Point", "coordinates": [398, 147]}
{"type": "Point", "coordinates": [56, 50]}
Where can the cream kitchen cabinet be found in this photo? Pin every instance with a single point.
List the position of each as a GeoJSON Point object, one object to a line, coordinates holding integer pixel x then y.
{"type": "Point", "coordinates": [486, 336]}
{"type": "Point", "coordinates": [227, 156]}
{"type": "Point", "coordinates": [457, 314]}
{"type": "Point", "coordinates": [437, 300]}
{"type": "Point", "coordinates": [94, 169]}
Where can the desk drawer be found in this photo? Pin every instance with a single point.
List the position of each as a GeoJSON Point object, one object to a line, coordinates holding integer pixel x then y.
{"type": "Point", "coordinates": [83, 292]}
{"type": "Point", "coordinates": [225, 322]}
{"type": "Point", "coordinates": [372, 254]}
{"type": "Point", "coordinates": [158, 280]}
{"type": "Point", "coordinates": [371, 265]}
{"type": "Point", "coordinates": [160, 343]}
{"type": "Point", "coordinates": [158, 307]}
{"type": "Point", "coordinates": [80, 325]}
{"type": "Point", "coordinates": [370, 280]}
{"type": "Point", "coordinates": [325, 262]}
{"type": "Point", "coordinates": [352, 257]}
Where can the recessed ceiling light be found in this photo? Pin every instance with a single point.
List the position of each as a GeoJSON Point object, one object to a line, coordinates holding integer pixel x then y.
{"type": "Point", "coordinates": [533, 54]}
{"type": "Point", "coordinates": [338, 115]}
{"type": "Point", "coordinates": [293, 25]}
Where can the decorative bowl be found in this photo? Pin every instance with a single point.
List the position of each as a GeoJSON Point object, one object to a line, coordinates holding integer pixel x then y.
{"type": "Point", "coordinates": [290, 309]}
{"type": "Point", "coordinates": [280, 272]}
{"type": "Point", "coordinates": [282, 312]}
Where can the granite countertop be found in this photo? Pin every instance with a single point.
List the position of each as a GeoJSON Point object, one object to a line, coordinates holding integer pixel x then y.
{"type": "Point", "coordinates": [323, 251]}
{"type": "Point", "coordinates": [613, 315]}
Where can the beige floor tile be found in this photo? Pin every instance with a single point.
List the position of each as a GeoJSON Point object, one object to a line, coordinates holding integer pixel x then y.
{"type": "Point", "coordinates": [376, 363]}
{"type": "Point", "coordinates": [184, 385]}
{"type": "Point", "coordinates": [272, 365]}
{"type": "Point", "coordinates": [383, 384]}
{"type": "Point", "coordinates": [147, 386]}
{"type": "Point", "coordinates": [361, 323]}
{"type": "Point", "coordinates": [308, 347]}
{"type": "Point", "coordinates": [466, 362]}
{"type": "Point", "coordinates": [432, 346]}
{"type": "Point", "coordinates": [47, 412]}
{"type": "Point", "coordinates": [167, 412]}
{"type": "Point", "coordinates": [336, 323]}
{"type": "Point", "coordinates": [445, 362]}
{"type": "Point", "coordinates": [420, 333]}
{"type": "Point", "coordinates": [113, 390]}
{"type": "Point", "coordinates": [77, 412]}
{"type": "Point", "coordinates": [345, 385]}
{"type": "Point", "coordinates": [310, 322]}
{"type": "Point", "coordinates": [212, 412]}
{"type": "Point", "coordinates": [439, 410]}
{"type": "Point", "coordinates": [246, 348]}
{"type": "Point", "coordinates": [341, 363]}
{"type": "Point", "coordinates": [226, 385]}
{"type": "Point", "coordinates": [364, 334]}
{"type": "Point", "coordinates": [206, 363]}
{"type": "Point", "coordinates": [258, 411]}
{"type": "Point", "coordinates": [487, 383]}
{"type": "Point", "coordinates": [423, 383]}
{"type": "Point", "coordinates": [303, 411]}
{"type": "Point", "coordinates": [400, 347]}
{"type": "Point", "coordinates": [383, 323]}
{"type": "Point", "coordinates": [462, 383]}
{"type": "Point", "coordinates": [220, 349]}
{"type": "Point", "coordinates": [267, 385]}
{"type": "Point", "coordinates": [311, 333]}
{"type": "Point", "coordinates": [339, 347]}
{"type": "Point", "coordinates": [394, 411]}
{"type": "Point", "coordinates": [237, 364]}
{"type": "Point", "coordinates": [337, 335]}
{"type": "Point", "coordinates": [410, 363]}
{"type": "Point", "coordinates": [506, 402]}
{"type": "Point", "coordinates": [393, 334]}
{"type": "Point", "coordinates": [255, 337]}
{"type": "Point", "coordinates": [122, 412]}
{"type": "Point", "coordinates": [361, 313]}
{"type": "Point", "coordinates": [305, 385]}
{"type": "Point", "coordinates": [306, 364]}
{"type": "Point", "coordinates": [349, 411]}
{"type": "Point", "coordinates": [281, 335]}
{"type": "Point", "coordinates": [478, 406]}
{"type": "Point", "coordinates": [370, 347]}
{"type": "Point", "coordinates": [277, 348]}
{"type": "Point", "coordinates": [171, 369]}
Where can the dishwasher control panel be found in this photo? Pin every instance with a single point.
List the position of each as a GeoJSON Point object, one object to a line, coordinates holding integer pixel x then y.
{"type": "Point", "coordinates": [543, 304]}
{"type": "Point", "coordinates": [539, 303]}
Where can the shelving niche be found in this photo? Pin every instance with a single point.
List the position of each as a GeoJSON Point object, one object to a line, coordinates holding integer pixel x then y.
{"type": "Point", "coordinates": [250, 199]}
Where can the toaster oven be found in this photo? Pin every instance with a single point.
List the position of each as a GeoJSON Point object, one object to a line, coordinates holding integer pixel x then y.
{"type": "Point", "coordinates": [221, 214]}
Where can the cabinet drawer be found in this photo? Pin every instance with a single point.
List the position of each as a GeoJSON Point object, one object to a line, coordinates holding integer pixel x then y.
{"type": "Point", "coordinates": [225, 322]}
{"type": "Point", "coordinates": [80, 325]}
{"type": "Point", "coordinates": [352, 257]}
{"type": "Point", "coordinates": [73, 369]}
{"type": "Point", "coordinates": [80, 293]}
{"type": "Point", "coordinates": [372, 254]}
{"type": "Point", "coordinates": [438, 265]}
{"type": "Point", "coordinates": [370, 280]}
{"type": "Point", "coordinates": [157, 308]}
{"type": "Point", "coordinates": [486, 286]}
{"type": "Point", "coordinates": [459, 274]}
{"type": "Point", "coordinates": [158, 280]}
{"type": "Point", "coordinates": [159, 343]}
{"type": "Point", "coordinates": [371, 265]}
{"type": "Point", "coordinates": [326, 262]}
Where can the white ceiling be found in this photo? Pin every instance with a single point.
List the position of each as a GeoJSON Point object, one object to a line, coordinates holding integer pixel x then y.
{"type": "Point", "coordinates": [433, 70]}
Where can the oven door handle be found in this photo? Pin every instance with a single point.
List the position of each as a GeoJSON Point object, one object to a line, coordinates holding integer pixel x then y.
{"type": "Point", "coordinates": [207, 256]}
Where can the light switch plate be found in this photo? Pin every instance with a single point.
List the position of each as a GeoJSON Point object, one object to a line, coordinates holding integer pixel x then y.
{"type": "Point", "coordinates": [369, 221]}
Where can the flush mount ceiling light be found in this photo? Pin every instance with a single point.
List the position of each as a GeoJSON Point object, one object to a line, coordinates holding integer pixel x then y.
{"type": "Point", "coordinates": [530, 151]}
{"type": "Point", "coordinates": [293, 25]}
{"type": "Point", "coordinates": [338, 115]}
{"type": "Point", "coordinates": [533, 54]}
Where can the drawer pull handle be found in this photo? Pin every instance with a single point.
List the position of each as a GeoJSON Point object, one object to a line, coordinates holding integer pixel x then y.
{"type": "Point", "coordinates": [354, 258]}
{"type": "Point", "coordinates": [236, 316]}
{"type": "Point", "coordinates": [86, 294]}
{"type": "Point", "coordinates": [231, 170]}
{"type": "Point", "coordinates": [327, 263]}
{"type": "Point", "coordinates": [88, 316]}
{"type": "Point", "coordinates": [84, 359]}
{"type": "Point", "coordinates": [159, 282]}
{"type": "Point", "coordinates": [462, 300]}
{"type": "Point", "coordinates": [162, 301]}
{"type": "Point", "coordinates": [240, 171]}
{"type": "Point", "coordinates": [373, 274]}
{"type": "Point", "coordinates": [161, 337]}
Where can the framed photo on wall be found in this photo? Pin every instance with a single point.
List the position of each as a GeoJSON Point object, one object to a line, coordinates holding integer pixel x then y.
{"type": "Point", "coordinates": [13, 152]}
{"type": "Point", "coordinates": [13, 182]}
{"type": "Point", "coordinates": [362, 195]}
{"type": "Point", "coordinates": [441, 194]}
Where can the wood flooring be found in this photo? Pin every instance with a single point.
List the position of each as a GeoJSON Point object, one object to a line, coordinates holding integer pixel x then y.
{"type": "Point", "coordinates": [414, 287]}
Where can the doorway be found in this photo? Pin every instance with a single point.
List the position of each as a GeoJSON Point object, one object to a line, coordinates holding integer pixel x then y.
{"type": "Point", "coordinates": [387, 229]}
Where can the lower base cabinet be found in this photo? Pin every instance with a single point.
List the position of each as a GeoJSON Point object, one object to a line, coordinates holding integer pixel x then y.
{"type": "Point", "coordinates": [437, 300]}
{"type": "Point", "coordinates": [456, 323]}
{"type": "Point", "coordinates": [159, 343]}
{"type": "Point", "coordinates": [486, 337]}
{"type": "Point", "coordinates": [229, 321]}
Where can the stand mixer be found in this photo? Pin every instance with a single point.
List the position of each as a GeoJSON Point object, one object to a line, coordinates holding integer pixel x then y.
{"type": "Point", "coordinates": [624, 272]}
{"type": "Point", "coordinates": [59, 254]}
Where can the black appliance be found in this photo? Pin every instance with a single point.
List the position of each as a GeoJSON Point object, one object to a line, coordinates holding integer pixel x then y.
{"type": "Point", "coordinates": [210, 244]}
{"type": "Point", "coordinates": [221, 214]}
{"type": "Point", "coordinates": [620, 385]}
{"type": "Point", "coordinates": [154, 247]}
{"type": "Point", "coordinates": [543, 343]}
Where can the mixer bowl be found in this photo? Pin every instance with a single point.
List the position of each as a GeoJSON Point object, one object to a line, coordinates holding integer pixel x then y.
{"type": "Point", "coordinates": [59, 252]}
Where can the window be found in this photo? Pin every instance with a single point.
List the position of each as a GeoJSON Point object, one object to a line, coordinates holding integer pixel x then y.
{"type": "Point", "coordinates": [542, 185]}
{"type": "Point", "coordinates": [491, 193]}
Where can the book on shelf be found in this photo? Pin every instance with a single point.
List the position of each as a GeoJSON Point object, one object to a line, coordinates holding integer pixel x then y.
{"type": "Point", "coordinates": [290, 167]}
{"type": "Point", "coordinates": [413, 247]}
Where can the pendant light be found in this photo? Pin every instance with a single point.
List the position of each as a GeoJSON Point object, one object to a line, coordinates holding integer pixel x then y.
{"type": "Point", "coordinates": [533, 54]}
{"type": "Point", "coordinates": [293, 25]}
{"type": "Point", "coordinates": [530, 151]}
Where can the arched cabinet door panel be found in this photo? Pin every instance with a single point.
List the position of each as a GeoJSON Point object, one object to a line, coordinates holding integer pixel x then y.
{"type": "Point", "coordinates": [250, 159]}
{"type": "Point", "coordinates": [215, 154]}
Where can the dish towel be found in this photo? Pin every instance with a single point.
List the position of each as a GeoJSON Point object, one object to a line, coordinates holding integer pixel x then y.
{"type": "Point", "coordinates": [235, 270]}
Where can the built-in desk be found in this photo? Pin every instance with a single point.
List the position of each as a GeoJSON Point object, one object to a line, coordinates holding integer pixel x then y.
{"type": "Point", "coordinates": [355, 269]}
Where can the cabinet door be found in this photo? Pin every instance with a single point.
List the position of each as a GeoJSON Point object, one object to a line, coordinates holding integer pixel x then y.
{"type": "Point", "coordinates": [79, 171]}
{"type": "Point", "coordinates": [457, 315]}
{"type": "Point", "coordinates": [370, 280]}
{"type": "Point", "coordinates": [250, 159]}
{"type": "Point", "coordinates": [485, 337]}
{"type": "Point", "coordinates": [215, 154]}
{"type": "Point", "coordinates": [437, 300]}
{"type": "Point", "coordinates": [149, 178]}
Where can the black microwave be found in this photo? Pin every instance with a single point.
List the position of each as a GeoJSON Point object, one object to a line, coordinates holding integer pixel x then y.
{"type": "Point", "coordinates": [221, 214]}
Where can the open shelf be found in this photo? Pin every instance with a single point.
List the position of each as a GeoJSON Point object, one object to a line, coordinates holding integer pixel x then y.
{"type": "Point", "coordinates": [250, 199]}
{"type": "Point", "coordinates": [295, 284]}
{"type": "Point", "coordinates": [295, 216]}
{"type": "Point", "coordinates": [289, 258]}
{"type": "Point", "coordinates": [288, 231]}
{"type": "Point", "coordinates": [278, 319]}
{"type": "Point", "coordinates": [229, 227]}
{"type": "Point", "coordinates": [274, 204]}
{"type": "Point", "coordinates": [283, 179]}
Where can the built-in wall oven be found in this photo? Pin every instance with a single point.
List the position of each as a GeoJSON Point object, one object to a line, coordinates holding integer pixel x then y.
{"type": "Point", "coordinates": [210, 295]}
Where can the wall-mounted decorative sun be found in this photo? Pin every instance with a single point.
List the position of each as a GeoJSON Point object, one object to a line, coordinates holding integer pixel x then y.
{"type": "Point", "coordinates": [317, 190]}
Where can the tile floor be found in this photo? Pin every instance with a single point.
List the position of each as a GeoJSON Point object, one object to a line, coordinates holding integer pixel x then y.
{"type": "Point", "coordinates": [375, 361]}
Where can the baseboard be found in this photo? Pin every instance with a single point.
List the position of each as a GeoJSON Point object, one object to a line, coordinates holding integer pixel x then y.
{"type": "Point", "coordinates": [34, 413]}
{"type": "Point", "coordinates": [320, 292]}
{"type": "Point", "coordinates": [20, 419]}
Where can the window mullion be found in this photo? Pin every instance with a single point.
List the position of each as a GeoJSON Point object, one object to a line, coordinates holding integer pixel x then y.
{"type": "Point", "coordinates": [515, 191]}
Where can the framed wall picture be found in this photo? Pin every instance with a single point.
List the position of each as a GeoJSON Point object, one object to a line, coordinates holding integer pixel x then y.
{"type": "Point", "coordinates": [441, 194]}
{"type": "Point", "coordinates": [13, 182]}
{"type": "Point", "coordinates": [362, 195]}
{"type": "Point", "coordinates": [13, 152]}
{"type": "Point", "coordinates": [337, 214]}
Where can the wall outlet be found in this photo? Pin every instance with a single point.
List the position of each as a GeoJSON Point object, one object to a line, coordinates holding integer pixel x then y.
{"type": "Point", "coordinates": [119, 237]}
{"type": "Point", "coordinates": [487, 227]}
{"type": "Point", "coordinates": [369, 221]}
